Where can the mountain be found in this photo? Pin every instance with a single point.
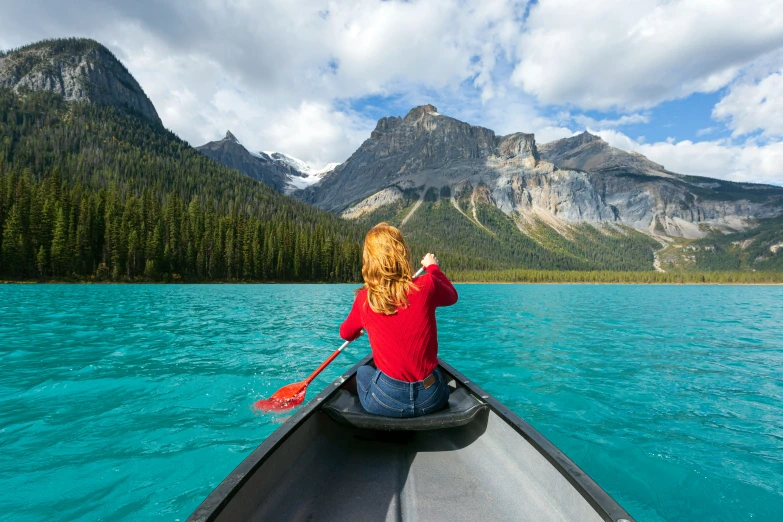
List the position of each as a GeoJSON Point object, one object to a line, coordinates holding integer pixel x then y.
{"type": "Point", "coordinates": [575, 203]}
{"type": "Point", "coordinates": [575, 180]}
{"type": "Point", "coordinates": [80, 70]}
{"type": "Point", "coordinates": [93, 190]}
{"type": "Point", "coordinates": [558, 194]}
{"type": "Point", "coordinates": [283, 173]}
{"type": "Point", "coordinates": [233, 154]}
{"type": "Point", "coordinates": [758, 249]}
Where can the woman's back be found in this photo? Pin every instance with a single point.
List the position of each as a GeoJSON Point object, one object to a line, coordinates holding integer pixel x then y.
{"type": "Point", "coordinates": [404, 344]}
{"type": "Point", "coordinates": [398, 313]}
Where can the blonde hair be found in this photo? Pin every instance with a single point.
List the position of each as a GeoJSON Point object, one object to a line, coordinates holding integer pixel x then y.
{"type": "Point", "coordinates": [386, 268]}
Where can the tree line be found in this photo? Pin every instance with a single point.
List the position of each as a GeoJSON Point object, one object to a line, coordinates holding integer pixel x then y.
{"type": "Point", "coordinates": [608, 276]}
{"type": "Point", "coordinates": [53, 229]}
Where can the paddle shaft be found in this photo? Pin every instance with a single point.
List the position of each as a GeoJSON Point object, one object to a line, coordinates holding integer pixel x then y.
{"type": "Point", "coordinates": [340, 349]}
{"type": "Point", "coordinates": [325, 363]}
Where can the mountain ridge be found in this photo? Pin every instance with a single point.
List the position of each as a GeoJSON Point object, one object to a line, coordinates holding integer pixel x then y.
{"type": "Point", "coordinates": [580, 179]}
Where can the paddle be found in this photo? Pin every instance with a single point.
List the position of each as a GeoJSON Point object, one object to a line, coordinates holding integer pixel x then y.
{"type": "Point", "coordinates": [294, 394]}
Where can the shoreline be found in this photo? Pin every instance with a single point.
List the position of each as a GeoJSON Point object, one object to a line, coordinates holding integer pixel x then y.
{"type": "Point", "coordinates": [640, 283]}
{"type": "Point", "coordinates": [610, 283]}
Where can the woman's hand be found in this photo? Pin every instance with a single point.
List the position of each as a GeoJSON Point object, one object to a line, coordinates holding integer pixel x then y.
{"type": "Point", "coordinates": [428, 260]}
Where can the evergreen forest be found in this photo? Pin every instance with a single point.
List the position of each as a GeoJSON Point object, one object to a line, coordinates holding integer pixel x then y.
{"type": "Point", "coordinates": [96, 193]}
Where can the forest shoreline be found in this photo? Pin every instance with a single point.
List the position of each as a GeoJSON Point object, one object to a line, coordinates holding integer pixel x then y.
{"type": "Point", "coordinates": [458, 282]}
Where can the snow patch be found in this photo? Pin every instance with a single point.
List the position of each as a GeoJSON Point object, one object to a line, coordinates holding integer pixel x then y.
{"type": "Point", "coordinates": [303, 175]}
{"type": "Point", "coordinates": [299, 175]}
{"type": "Point", "coordinates": [294, 163]}
{"type": "Point", "coordinates": [260, 155]}
{"type": "Point", "coordinates": [302, 182]}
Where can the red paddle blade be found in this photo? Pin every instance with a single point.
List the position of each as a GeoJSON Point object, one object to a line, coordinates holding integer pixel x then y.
{"type": "Point", "coordinates": [285, 398]}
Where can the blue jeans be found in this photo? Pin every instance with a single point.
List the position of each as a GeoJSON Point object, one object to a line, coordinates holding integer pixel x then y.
{"type": "Point", "coordinates": [382, 395]}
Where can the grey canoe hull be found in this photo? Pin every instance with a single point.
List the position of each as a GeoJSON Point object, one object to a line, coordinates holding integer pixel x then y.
{"type": "Point", "coordinates": [495, 467]}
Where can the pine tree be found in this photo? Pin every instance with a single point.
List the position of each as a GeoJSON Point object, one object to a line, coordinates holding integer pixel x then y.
{"type": "Point", "coordinates": [60, 254]}
{"type": "Point", "coordinates": [12, 260]}
{"type": "Point", "coordinates": [42, 262]}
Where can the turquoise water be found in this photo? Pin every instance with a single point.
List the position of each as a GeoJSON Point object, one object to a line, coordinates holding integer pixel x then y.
{"type": "Point", "coordinates": [133, 402]}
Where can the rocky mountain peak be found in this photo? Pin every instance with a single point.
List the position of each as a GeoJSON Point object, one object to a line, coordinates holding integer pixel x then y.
{"type": "Point", "coordinates": [588, 152]}
{"type": "Point", "coordinates": [586, 137]}
{"type": "Point", "coordinates": [280, 171]}
{"type": "Point", "coordinates": [520, 147]}
{"type": "Point", "coordinates": [424, 146]}
{"type": "Point", "coordinates": [417, 112]}
{"type": "Point", "coordinates": [79, 69]}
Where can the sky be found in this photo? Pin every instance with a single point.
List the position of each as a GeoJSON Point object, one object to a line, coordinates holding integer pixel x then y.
{"type": "Point", "coordinates": [696, 85]}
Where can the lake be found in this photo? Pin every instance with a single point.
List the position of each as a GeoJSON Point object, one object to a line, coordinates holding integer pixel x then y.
{"type": "Point", "coordinates": [132, 402]}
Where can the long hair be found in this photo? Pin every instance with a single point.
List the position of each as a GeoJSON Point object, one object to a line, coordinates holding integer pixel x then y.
{"type": "Point", "coordinates": [386, 268]}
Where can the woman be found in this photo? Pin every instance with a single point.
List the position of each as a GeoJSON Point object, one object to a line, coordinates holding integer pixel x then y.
{"type": "Point", "coordinates": [399, 316]}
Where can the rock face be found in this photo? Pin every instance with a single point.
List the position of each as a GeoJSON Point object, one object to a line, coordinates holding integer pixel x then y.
{"type": "Point", "coordinates": [80, 70]}
{"type": "Point", "coordinates": [281, 172]}
{"type": "Point", "coordinates": [374, 202]}
{"type": "Point", "coordinates": [425, 147]}
{"type": "Point", "coordinates": [575, 180]}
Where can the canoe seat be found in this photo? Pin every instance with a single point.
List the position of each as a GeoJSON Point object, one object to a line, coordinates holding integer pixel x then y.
{"type": "Point", "coordinates": [345, 408]}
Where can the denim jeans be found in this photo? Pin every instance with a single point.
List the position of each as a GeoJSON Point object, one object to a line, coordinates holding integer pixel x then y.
{"type": "Point", "coordinates": [382, 395]}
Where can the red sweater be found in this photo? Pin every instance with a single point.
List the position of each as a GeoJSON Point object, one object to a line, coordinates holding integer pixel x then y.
{"type": "Point", "coordinates": [404, 345]}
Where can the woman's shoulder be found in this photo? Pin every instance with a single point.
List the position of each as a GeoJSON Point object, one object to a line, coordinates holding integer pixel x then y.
{"type": "Point", "coordinates": [361, 296]}
{"type": "Point", "coordinates": [424, 282]}
{"type": "Point", "coordinates": [360, 299]}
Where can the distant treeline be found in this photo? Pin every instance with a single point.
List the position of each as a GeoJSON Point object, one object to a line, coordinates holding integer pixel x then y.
{"type": "Point", "coordinates": [605, 276]}
{"type": "Point", "coordinates": [53, 230]}
{"type": "Point", "coordinates": [748, 249]}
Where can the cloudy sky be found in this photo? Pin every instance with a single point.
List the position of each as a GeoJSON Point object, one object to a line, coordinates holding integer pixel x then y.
{"type": "Point", "coordinates": [696, 85]}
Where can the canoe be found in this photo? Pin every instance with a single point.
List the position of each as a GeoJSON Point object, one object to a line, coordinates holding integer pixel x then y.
{"type": "Point", "coordinates": [475, 460]}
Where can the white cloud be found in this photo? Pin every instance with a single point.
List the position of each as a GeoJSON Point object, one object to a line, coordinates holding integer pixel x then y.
{"type": "Point", "coordinates": [607, 54]}
{"type": "Point", "coordinates": [716, 159]}
{"type": "Point", "coordinates": [754, 106]}
{"type": "Point", "coordinates": [552, 133]}
{"type": "Point", "coordinates": [626, 119]}
{"type": "Point", "coordinates": [319, 131]}
{"type": "Point", "coordinates": [281, 75]}
{"type": "Point", "coordinates": [706, 130]}
{"type": "Point", "coordinates": [261, 67]}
